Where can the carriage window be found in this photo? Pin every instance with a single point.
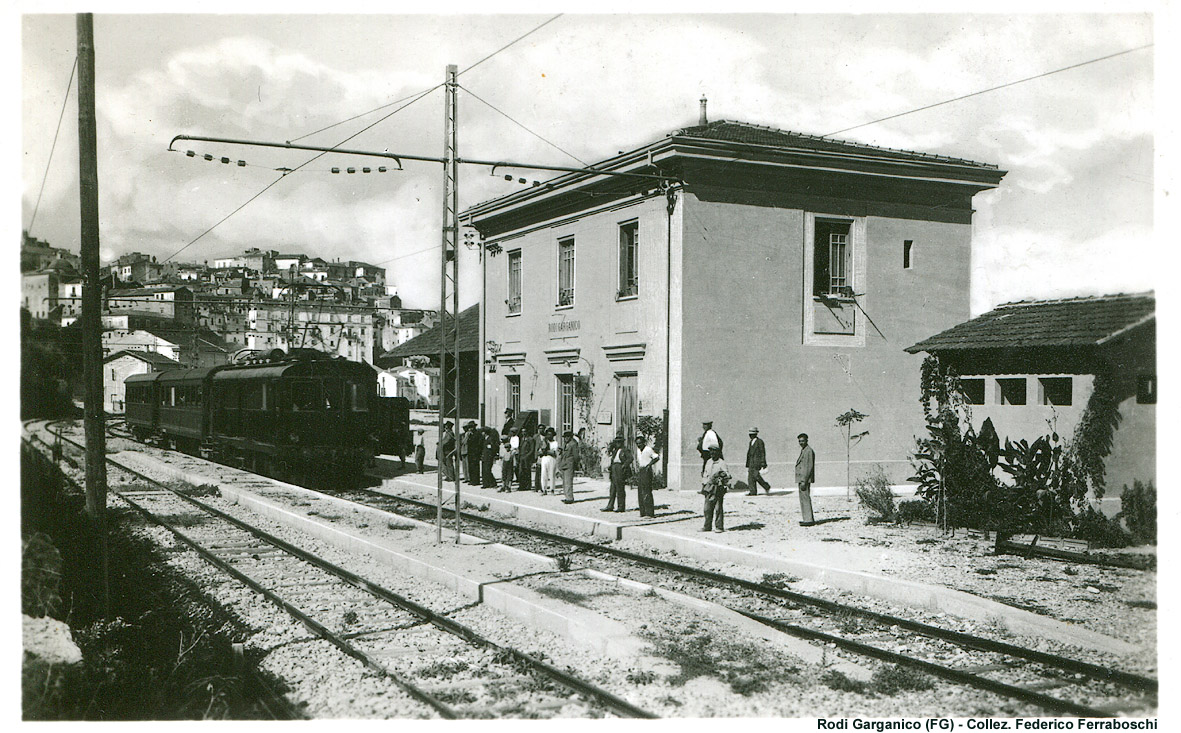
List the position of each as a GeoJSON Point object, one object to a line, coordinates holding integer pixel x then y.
{"type": "Point", "coordinates": [305, 395]}
{"type": "Point", "coordinates": [357, 397]}
{"type": "Point", "coordinates": [332, 394]}
{"type": "Point", "coordinates": [252, 396]}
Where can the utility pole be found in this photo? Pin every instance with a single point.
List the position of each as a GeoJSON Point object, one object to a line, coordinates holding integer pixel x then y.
{"type": "Point", "coordinates": [449, 291]}
{"type": "Point", "coordinates": [96, 444]}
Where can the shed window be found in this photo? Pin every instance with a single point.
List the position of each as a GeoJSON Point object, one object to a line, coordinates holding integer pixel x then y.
{"type": "Point", "coordinates": [973, 390]}
{"type": "Point", "coordinates": [907, 253]}
{"type": "Point", "coordinates": [1146, 389]}
{"type": "Point", "coordinates": [1011, 391]}
{"type": "Point", "coordinates": [1055, 391]}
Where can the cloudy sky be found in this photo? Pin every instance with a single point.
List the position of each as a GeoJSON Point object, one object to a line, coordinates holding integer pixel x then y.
{"type": "Point", "coordinates": [1074, 215]}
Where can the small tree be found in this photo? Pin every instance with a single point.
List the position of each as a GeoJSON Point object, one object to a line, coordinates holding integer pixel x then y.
{"type": "Point", "coordinates": [845, 421]}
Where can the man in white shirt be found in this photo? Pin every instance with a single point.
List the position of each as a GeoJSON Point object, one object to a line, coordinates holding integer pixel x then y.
{"type": "Point", "coordinates": [707, 442]}
{"type": "Point", "coordinates": [645, 459]}
{"type": "Point", "coordinates": [620, 468]}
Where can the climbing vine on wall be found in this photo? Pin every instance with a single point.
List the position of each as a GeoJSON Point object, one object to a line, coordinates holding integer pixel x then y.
{"type": "Point", "coordinates": [1084, 457]}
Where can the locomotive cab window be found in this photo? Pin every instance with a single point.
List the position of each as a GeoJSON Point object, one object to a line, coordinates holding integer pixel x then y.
{"type": "Point", "coordinates": [332, 394]}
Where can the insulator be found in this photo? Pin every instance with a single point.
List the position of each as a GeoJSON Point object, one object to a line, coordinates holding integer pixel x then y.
{"type": "Point", "coordinates": [537, 183]}
{"type": "Point", "coordinates": [366, 170]}
{"type": "Point", "coordinates": [381, 169]}
{"type": "Point", "coordinates": [225, 160]}
{"type": "Point", "coordinates": [351, 170]}
{"type": "Point", "coordinates": [508, 177]}
{"type": "Point", "coordinates": [241, 164]}
{"type": "Point", "coordinates": [207, 156]}
{"type": "Point", "coordinates": [336, 170]}
{"type": "Point", "coordinates": [190, 153]}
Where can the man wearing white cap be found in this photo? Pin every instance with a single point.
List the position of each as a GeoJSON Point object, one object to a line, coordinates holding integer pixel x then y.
{"type": "Point", "coordinates": [756, 461]}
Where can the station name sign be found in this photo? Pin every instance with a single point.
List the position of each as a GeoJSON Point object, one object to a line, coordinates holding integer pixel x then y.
{"type": "Point", "coordinates": [562, 326]}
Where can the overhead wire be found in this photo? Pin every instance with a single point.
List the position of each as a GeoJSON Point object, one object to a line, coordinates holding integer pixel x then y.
{"type": "Point", "coordinates": [60, 117]}
{"type": "Point", "coordinates": [523, 127]}
{"type": "Point", "coordinates": [359, 132]}
{"type": "Point", "coordinates": [990, 89]}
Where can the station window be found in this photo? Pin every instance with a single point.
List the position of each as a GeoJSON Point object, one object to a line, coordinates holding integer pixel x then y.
{"type": "Point", "coordinates": [973, 390]}
{"type": "Point", "coordinates": [1146, 389]}
{"type": "Point", "coordinates": [629, 251]}
{"type": "Point", "coordinates": [566, 272]}
{"type": "Point", "coordinates": [514, 282]}
{"type": "Point", "coordinates": [513, 400]}
{"type": "Point", "coordinates": [1011, 391]}
{"type": "Point", "coordinates": [832, 261]}
{"type": "Point", "coordinates": [1055, 391]}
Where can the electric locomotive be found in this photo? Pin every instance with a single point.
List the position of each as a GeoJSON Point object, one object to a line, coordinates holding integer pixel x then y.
{"type": "Point", "coordinates": [304, 415]}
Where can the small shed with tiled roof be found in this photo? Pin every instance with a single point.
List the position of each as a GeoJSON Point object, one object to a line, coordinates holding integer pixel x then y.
{"type": "Point", "coordinates": [427, 344]}
{"type": "Point", "coordinates": [122, 364]}
{"type": "Point", "coordinates": [1037, 366]}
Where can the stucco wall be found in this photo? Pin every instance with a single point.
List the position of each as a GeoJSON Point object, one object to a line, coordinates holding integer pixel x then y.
{"type": "Point", "coordinates": [596, 320]}
{"type": "Point", "coordinates": [744, 360]}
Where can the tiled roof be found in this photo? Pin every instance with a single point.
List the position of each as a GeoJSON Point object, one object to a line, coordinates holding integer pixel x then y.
{"type": "Point", "coordinates": [747, 133]}
{"type": "Point", "coordinates": [427, 342]}
{"type": "Point", "coordinates": [1070, 322]}
{"type": "Point", "coordinates": [151, 357]}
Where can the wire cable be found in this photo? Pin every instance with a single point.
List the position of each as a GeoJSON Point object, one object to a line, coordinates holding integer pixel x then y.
{"type": "Point", "coordinates": [56, 132]}
{"type": "Point", "coordinates": [403, 99]}
{"type": "Point", "coordinates": [526, 129]}
{"type": "Point", "coordinates": [355, 134]}
{"type": "Point", "coordinates": [990, 89]}
{"type": "Point", "coordinates": [510, 43]}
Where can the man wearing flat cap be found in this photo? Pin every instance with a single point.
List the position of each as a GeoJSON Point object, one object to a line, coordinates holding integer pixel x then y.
{"type": "Point", "coordinates": [707, 442]}
{"type": "Point", "coordinates": [756, 461]}
{"type": "Point", "coordinates": [568, 451]}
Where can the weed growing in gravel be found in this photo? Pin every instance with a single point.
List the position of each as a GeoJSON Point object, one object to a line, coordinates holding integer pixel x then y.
{"type": "Point", "coordinates": [563, 594]}
{"type": "Point", "coordinates": [850, 623]}
{"type": "Point", "coordinates": [874, 493]}
{"type": "Point", "coordinates": [202, 490]}
{"type": "Point", "coordinates": [746, 668]}
{"type": "Point", "coordinates": [643, 677]}
{"type": "Point", "coordinates": [895, 678]}
{"type": "Point", "coordinates": [839, 681]}
{"type": "Point", "coordinates": [651, 593]}
{"type": "Point", "coordinates": [564, 563]}
{"type": "Point", "coordinates": [1141, 604]}
{"type": "Point", "coordinates": [475, 507]}
{"type": "Point", "coordinates": [444, 669]}
{"type": "Point", "coordinates": [1069, 570]}
{"type": "Point", "coordinates": [670, 701]}
{"type": "Point", "coordinates": [350, 617]}
{"type": "Point", "coordinates": [396, 526]}
{"type": "Point", "coordinates": [778, 580]}
{"type": "Point", "coordinates": [456, 697]}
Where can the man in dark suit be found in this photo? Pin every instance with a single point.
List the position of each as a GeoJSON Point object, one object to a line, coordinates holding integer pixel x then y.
{"type": "Point", "coordinates": [756, 461]}
{"type": "Point", "coordinates": [526, 455]}
{"type": "Point", "coordinates": [805, 475]}
{"type": "Point", "coordinates": [446, 452]}
{"type": "Point", "coordinates": [621, 460]}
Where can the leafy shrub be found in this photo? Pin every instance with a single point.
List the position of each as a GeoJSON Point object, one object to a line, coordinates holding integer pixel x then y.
{"type": "Point", "coordinates": [1138, 511]}
{"type": "Point", "coordinates": [590, 459]}
{"type": "Point", "coordinates": [875, 494]}
{"type": "Point", "coordinates": [913, 510]}
{"type": "Point", "coordinates": [839, 681]}
{"type": "Point", "coordinates": [643, 677]}
{"type": "Point", "coordinates": [1099, 530]}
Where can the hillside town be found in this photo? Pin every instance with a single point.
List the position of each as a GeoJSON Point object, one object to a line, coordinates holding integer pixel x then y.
{"type": "Point", "coordinates": [158, 315]}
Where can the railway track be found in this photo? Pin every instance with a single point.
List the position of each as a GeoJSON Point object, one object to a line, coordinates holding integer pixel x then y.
{"type": "Point", "coordinates": [1005, 669]}
{"type": "Point", "coordinates": [443, 665]}
{"type": "Point", "coordinates": [1016, 672]}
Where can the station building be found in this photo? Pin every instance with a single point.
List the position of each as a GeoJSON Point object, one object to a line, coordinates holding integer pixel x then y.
{"type": "Point", "coordinates": [775, 284]}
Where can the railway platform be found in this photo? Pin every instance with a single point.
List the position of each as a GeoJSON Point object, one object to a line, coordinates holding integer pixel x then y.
{"type": "Point", "coordinates": [762, 532]}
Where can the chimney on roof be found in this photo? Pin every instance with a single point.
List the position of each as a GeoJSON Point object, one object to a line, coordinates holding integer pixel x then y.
{"type": "Point", "coordinates": [703, 121]}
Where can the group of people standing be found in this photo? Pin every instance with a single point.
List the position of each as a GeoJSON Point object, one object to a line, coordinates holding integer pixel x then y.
{"type": "Point", "coordinates": [715, 476]}
{"type": "Point", "coordinates": [624, 463]}
{"type": "Point", "coordinates": [530, 459]}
